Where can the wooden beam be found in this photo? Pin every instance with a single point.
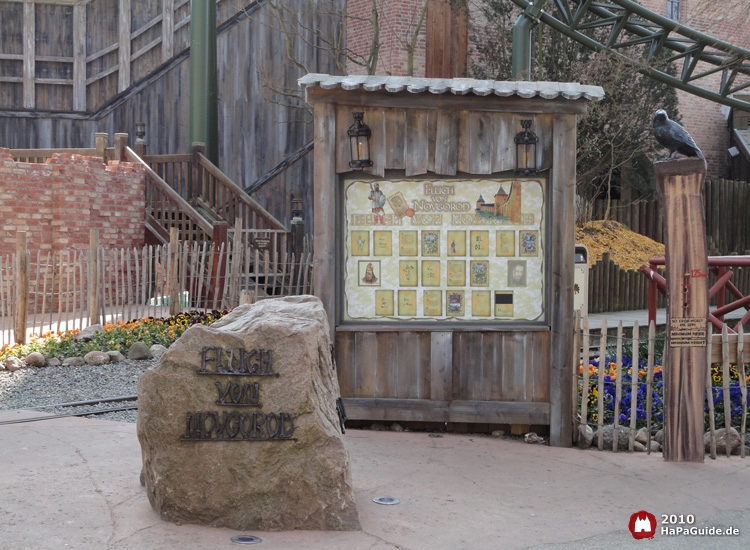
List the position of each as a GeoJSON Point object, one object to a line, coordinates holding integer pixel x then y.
{"type": "Point", "coordinates": [427, 410]}
{"type": "Point", "coordinates": [79, 57]}
{"type": "Point", "coordinates": [29, 55]}
{"type": "Point", "coordinates": [324, 205]}
{"type": "Point", "coordinates": [123, 75]}
{"type": "Point", "coordinates": [167, 30]}
{"type": "Point", "coordinates": [561, 258]}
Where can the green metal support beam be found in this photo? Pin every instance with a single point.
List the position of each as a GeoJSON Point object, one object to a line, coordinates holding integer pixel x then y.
{"type": "Point", "coordinates": [521, 54]}
{"type": "Point", "coordinates": [631, 25]}
{"type": "Point", "coordinates": [204, 126]}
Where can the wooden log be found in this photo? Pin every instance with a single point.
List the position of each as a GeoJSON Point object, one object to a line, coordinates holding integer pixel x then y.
{"type": "Point", "coordinates": [21, 288]}
{"type": "Point", "coordinates": [93, 276]}
{"type": "Point", "coordinates": [679, 183]}
{"type": "Point", "coordinates": [173, 289]}
{"type": "Point", "coordinates": [600, 384]}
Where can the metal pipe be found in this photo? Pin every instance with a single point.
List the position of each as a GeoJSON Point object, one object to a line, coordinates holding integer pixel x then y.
{"type": "Point", "coordinates": [203, 87]}
{"type": "Point", "coordinates": [521, 54]}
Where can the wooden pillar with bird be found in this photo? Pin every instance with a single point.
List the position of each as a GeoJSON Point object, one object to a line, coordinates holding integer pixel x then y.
{"type": "Point", "coordinates": [680, 185]}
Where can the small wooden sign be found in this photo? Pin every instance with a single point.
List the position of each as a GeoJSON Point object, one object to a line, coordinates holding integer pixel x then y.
{"type": "Point", "coordinates": [262, 243]}
{"type": "Point", "coordinates": [687, 332]}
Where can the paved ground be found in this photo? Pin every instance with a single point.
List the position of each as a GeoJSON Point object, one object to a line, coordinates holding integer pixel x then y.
{"type": "Point", "coordinates": [73, 483]}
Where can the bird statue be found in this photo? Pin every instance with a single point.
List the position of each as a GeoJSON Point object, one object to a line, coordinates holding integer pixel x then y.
{"type": "Point", "coordinates": [674, 137]}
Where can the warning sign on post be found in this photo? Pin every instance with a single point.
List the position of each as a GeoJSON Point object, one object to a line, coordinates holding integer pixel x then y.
{"type": "Point", "coordinates": [687, 332]}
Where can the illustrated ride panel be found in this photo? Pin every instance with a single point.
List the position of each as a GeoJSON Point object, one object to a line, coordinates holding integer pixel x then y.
{"type": "Point", "coordinates": [459, 250]}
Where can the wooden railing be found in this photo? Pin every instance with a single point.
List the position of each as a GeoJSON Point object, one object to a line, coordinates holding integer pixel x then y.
{"type": "Point", "coordinates": [215, 191]}
{"type": "Point", "coordinates": [198, 186]}
{"type": "Point", "coordinates": [166, 208]}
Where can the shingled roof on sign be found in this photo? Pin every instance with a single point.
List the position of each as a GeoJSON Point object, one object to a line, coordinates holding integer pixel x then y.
{"type": "Point", "coordinates": [456, 86]}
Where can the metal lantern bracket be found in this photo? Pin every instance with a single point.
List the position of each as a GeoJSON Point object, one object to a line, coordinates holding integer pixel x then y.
{"type": "Point", "coordinates": [359, 140]}
{"type": "Point", "coordinates": [526, 142]}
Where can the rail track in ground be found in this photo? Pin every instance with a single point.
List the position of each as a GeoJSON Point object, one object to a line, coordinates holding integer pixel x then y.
{"type": "Point", "coordinates": [76, 408]}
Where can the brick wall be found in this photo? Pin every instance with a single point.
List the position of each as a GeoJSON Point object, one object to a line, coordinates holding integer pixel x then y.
{"type": "Point", "coordinates": [706, 120]}
{"type": "Point", "coordinates": [397, 21]}
{"type": "Point", "coordinates": [57, 202]}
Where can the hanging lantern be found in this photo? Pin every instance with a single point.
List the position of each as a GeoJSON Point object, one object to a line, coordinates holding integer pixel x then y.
{"type": "Point", "coordinates": [359, 140]}
{"type": "Point", "coordinates": [526, 141]}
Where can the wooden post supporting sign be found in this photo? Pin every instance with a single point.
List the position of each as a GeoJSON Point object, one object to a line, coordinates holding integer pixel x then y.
{"type": "Point", "coordinates": [679, 183]}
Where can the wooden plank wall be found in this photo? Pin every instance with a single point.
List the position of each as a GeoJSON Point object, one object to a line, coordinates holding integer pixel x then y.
{"type": "Point", "coordinates": [381, 373]}
{"type": "Point", "coordinates": [256, 130]}
{"type": "Point", "coordinates": [475, 142]}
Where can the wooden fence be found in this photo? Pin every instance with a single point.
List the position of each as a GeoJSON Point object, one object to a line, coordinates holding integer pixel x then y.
{"type": "Point", "coordinates": [728, 232]}
{"type": "Point", "coordinates": [619, 382]}
{"type": "Point", "coordinates": [727, 226]}
{"type": "Point", "coordinates": [71, 289]}
{"type": "Point", "coordinates": [614, 289]}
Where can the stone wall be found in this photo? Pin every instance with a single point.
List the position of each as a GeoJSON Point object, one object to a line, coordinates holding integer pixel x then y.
{"type": "Point", "coordinates": [58, 202]}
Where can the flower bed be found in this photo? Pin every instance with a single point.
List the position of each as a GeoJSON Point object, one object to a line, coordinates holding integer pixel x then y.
{"type": "Point", "coordinates": [610, 374]}
{"type": "Point", "coordinates": [116, 336]}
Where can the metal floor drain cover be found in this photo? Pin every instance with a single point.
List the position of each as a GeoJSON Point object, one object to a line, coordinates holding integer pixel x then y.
{"type": "Point", "coordinates": [386, 500]}
{"type": "Point", "coordinates": [246, 539]}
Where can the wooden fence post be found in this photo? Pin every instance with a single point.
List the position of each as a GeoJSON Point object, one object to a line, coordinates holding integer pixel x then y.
{"type": "Point", "coordinates": [100, 140]}
{"type": "Point", "coordinates": [221, 230]}
{"type": "Point", "coordinates": [21, 288]}
{"type": "Point", "coordinates": [173, 281]}
{"type": "Point", "coordinates": [196, 183]}
{"type": "Point", "coordinates": [679, 183]}
{"type": "Point", "coordinates": [93, 276]}
{"type": "Point", "coordinates": [121, 142]}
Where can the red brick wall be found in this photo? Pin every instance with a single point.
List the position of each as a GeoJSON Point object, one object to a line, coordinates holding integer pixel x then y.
{"type": "Point", "coordinates": [398, 21]}
{"type": "Point", "coordinates": [56, 203]}
{"type": "Point", "coordinates": [706, 120]}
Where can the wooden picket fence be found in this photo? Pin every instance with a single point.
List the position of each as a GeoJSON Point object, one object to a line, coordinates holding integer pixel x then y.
{"type": "Point", "coordinates": [616, 354]}
{"type": "Point", "coordinates": [71, 289]}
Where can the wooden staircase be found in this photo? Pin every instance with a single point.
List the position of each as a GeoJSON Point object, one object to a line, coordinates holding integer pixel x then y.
{"type": "Point", "coordinates": [192, 194]}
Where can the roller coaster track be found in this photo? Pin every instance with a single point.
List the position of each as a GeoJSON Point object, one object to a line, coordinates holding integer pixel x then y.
{"type": "Point", "coordinates": [640, 35]}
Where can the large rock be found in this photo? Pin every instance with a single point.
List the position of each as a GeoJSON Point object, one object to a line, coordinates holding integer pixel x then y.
{"type": "Point", "coordinates": [723, 439]}
{"type": "Point", "coordinates": [278, 465]}
{"type": "Point", "coordinates": [608, 437]}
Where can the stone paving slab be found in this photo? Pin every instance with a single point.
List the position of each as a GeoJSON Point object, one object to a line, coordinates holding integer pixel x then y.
{"type": "Point", "coordinates": [73, 483]}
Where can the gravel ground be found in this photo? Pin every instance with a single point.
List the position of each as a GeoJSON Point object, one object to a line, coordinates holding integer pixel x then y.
{"type": "Point", "coordinates": [41, 388]}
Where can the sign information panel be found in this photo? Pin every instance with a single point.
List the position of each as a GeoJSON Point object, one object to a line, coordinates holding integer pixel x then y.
{"type": "Point", "coordinates": [470, 250]}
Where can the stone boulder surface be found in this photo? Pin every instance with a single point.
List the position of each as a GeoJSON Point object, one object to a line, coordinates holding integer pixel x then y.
{"type": "Point", "coordinates": [238, 424]}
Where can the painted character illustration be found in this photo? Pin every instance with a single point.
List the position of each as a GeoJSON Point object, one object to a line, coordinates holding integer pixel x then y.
{"type": "Point", "coordinates": [529, 243]}
{"type": "Point", "coordinates": [369, 277]}
{"type": "Point", "coordinates": [378, 201]}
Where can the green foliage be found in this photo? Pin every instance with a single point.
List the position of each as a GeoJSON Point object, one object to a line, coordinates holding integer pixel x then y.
{"type": "Point", "coordinates": [615, 142]}
{"type": "Point", "coordinates": [116, 337]}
